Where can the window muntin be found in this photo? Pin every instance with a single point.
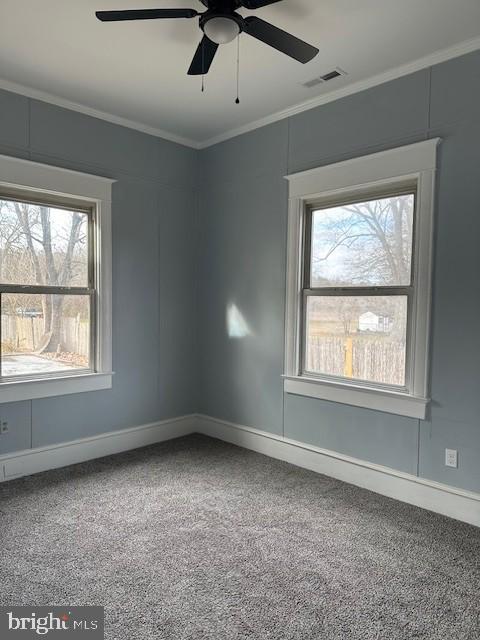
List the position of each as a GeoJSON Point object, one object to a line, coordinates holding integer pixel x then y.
{"type": "Point", "coordinates": [358, 288]}
{"type": "Point", "coordinates": [47, 289]}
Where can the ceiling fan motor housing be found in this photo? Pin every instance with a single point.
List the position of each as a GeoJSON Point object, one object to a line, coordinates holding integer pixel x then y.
{"type": "Point", "coordinates": [221, 27]}
{"type": "Point", "coordinates": [221, 23]}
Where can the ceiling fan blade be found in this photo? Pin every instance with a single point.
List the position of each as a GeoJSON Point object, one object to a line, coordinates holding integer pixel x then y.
{"type": "Point", "coordinates": [257, 4]}
{"type": "Point", "coordinates": [145, 14]}
{"type": "Point", "coordinates": [279, 39]}
{"type": "Point", "coordinates": [203, 57]}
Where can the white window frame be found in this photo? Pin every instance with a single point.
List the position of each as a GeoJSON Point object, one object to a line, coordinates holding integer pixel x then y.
{"type": "Point", "coordinates": [94, 191]}
{"type": "Point", "coordinates": [412, 164]}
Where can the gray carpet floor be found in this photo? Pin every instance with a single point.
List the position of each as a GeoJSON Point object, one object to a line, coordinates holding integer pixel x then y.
{"type": "Point", "coordinates": [196, 539]}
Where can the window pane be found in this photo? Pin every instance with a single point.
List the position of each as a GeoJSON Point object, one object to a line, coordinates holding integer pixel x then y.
{"type": "Point", "coordinates": [44, 333]}
{"type": "Point", "coordinates": [363, 244]}
{"type": "Point", "coordinates": [357, 337]}
{"type": "Point", "coordinates": [41, 245]}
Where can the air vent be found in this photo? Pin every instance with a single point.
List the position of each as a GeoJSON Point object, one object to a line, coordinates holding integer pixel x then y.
{"type": "Point", "coordinates": [331, 75]}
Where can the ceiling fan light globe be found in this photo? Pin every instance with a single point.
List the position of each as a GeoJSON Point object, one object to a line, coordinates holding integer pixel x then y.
{"type": "Point", "coordinates": [221, 30]}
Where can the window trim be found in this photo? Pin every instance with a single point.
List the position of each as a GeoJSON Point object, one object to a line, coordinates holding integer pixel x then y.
{"type": "Point", "coordinates": [56, 185]}
{"type": "Point", "coordinates": [360, 177]}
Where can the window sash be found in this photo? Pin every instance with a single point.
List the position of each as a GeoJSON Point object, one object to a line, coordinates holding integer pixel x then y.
{"type": "Point", "coordinates": [90, 290]}
{"type": "Point", "coordinates": [92, 351]}
{"type": "Point", "coordinates": [408, 292]}
{"type": "Point", "coordinates": [307, 290]}
{"type": "Point", "coordinates": [311, 207]}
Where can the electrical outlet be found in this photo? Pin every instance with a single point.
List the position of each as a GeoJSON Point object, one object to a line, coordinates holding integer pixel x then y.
{"type": "Point", "coordinates": [4, 427]}
{"type": "Point", "coordinates": [451, 458]}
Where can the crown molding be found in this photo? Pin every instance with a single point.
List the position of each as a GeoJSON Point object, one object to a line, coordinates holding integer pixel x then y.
{"type": "Point", "coordinates": [442, 55]}
{"type": "Point", "coordinates": [397, 72]}
{"type": "Point", "coordinates": [43, 96]}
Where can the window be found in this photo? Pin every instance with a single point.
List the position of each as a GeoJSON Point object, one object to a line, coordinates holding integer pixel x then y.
{"type": "Point", "coordinates": [359, 280]}
{"type": "Point", "coordinates": [54, 281]}
{"type": "Point", "coordinates": [357, 286]}
{"type": "Point", "coordinates": [47, 289]}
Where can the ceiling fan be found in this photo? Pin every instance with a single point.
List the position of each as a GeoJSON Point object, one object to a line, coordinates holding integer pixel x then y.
{"type": "Point", "coordinates": [220, 24]}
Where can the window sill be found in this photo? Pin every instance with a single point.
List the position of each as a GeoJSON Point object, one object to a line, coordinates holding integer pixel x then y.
{"type": "Point", "coordinates": [357, 396]}
{"type": "Point", "coordinates": [15, 391]}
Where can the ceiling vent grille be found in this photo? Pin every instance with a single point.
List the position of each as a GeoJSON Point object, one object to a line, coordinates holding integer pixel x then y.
{"type": "Point", "coordinates": [327, 77]}
{"type": "Point", "coordinates": [331, 75]}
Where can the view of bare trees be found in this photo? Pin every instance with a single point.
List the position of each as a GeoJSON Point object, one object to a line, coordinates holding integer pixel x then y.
{"type": "Point", "coordinates": [363, 244]}
{"type": "Point", "coordinates": [41, 246]}
{"type": "Point", "coordinates": [360, 245]}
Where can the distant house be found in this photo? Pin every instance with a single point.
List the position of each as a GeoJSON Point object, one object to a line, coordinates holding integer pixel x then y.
{"type": "Point", "coordinates": [373, 322]}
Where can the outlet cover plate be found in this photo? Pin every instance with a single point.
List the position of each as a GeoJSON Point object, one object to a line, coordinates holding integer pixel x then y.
{"type": "Point", "coordinates": [451, 458]}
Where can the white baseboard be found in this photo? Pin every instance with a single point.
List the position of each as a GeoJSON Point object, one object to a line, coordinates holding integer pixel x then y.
{"type": "Point", "coordinates": [24, 463]}
{"type": "Point", "coordinates": [434, 496]}
{"type": "Point", "coordinates": [441, 498]}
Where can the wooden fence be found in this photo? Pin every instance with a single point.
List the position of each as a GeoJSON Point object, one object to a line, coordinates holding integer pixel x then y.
{"type": "Point", "coordinates": [25, 334]}
{"type": "Point", "coordinates": [364, 358]}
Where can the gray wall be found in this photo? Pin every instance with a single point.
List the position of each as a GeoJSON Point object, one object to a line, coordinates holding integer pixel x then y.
{"type": "Point", "coordinates": [154, 341]}
{"type": "Point", "coordinates": [243, 214]}
{"type": "Point", "coordinates": [177, 270]}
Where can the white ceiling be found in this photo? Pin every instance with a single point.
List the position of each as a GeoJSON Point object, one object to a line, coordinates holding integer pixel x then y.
{"type": "Point", "coordinates": [137, 70]}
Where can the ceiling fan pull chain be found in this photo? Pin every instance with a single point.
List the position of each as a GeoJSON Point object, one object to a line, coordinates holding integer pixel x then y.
{"type": "Point", "coordinates": [203, 66]}
{"type": "Point", "coordinates": [237, 101]}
